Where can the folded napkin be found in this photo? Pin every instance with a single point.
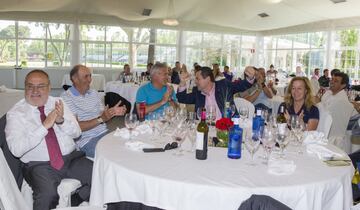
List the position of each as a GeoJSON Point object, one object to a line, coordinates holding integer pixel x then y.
{"type": "Point", "coordinates": [2, 88]}
{"type": "Point", "coordinates": [314, 137]}
{"type": "Point", "coordinates": [125, 133]}
{"type": "Point", "coordinates": [323, 152]}
{"type": "Point", "coordinates": [137, 145]}
{"type": "Point", "coordinates": [281, 167]}
{"type": "Point", "coordinates": [144, 129]}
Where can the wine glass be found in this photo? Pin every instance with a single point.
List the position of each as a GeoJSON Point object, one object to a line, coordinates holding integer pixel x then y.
{"type": "Point", "coordinates": [198, 113]}
{"type": "Point", "coordinates": [170, 113]}
{"type": "Point", "coordinates": [251, 145]}
{"type": "Point", "coordinates": [281, 139]}
{"type": "Point", "coordinates": [298, 130]}
{"type": "Point", "coordinates": [179, 136]}
{"type": "Point", "coordinates": [131, 122]}
{"type": "Point", "coordinates": [211, 114]}
{"type": "Point", "coordinates": [243, 112]}
{"type": "Point", "coordinates": [152, 118]}
{"type": "Point", "coordinates": [268, 142]}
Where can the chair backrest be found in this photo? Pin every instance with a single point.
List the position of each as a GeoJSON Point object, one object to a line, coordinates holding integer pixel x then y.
{"type": "Point", "coordinates": [10, 194]}
{"type": "Point", "coordinates": [262, 202]}
{"type": "Point", "coordinates": [325, 121]}
{"type": "Point", "coordinates": [240, 102]}
{"type": "Point", "coordinates": [98, 82]}
{"type": "Point", "coordinates": [315, 86]}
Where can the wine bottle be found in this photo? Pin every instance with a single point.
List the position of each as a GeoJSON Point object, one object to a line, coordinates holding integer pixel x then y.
{"type": "Point", "coordinates": [202, 137]}
{"type": "Point", "coordinates": [281, 121]}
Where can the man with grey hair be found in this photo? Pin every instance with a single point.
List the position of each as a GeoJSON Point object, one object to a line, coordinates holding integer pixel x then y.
{"type": "Point", "coordinates": [156, 94]}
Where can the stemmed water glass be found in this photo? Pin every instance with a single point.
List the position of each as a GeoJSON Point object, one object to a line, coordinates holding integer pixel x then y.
{"type": "Point", "coordinates": [211, 115]}
{"type": "Point", "coordinates": [131, 122]}
{"type": "Point", "coordinates": [281, 139]}
{"type": "Point", "coordinates": [179, 136]}
{"type": "Point", "coordinates": [251, 145]}
{"type": "Point", "coordinates": [297, 127]}
{"type": "Point", "coordinates": [244, 113]}
{"type": "Point", "coordinates": [170, 113]}
{"type": "Point", "coordinates": [268, 142]}
{"type": "Point", "coordinates": [152, 118]}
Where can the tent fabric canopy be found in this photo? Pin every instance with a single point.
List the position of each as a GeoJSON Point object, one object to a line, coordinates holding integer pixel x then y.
{"type": "Point", "coordinates": [232, 16]}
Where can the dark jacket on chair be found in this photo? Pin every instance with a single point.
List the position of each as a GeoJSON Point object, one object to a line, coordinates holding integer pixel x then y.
{"type": "Point", "coordinates": [14, 163]}
{"type": "Point", "coordinates": [262, 202]}
{"type": "Point", "coordinates": [224, 91]}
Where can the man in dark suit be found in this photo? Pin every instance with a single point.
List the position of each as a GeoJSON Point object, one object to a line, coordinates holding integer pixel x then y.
{"type": "Point", "coordinates": [209, 92]}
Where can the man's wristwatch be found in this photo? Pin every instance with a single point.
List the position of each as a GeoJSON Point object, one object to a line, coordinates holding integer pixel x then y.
{"type": "Point", "coordinates": [99, 120]}
{"type": "Point", "coordinates": [61, 122]}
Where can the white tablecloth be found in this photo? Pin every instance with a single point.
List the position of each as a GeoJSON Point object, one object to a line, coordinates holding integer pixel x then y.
{"type": "Point", "coordinates": [126, 90]}
{"type": "Point", "coordinates": [9, 97]}
{"type": "Point", "coordinates": [168, 181]}
{"type": "Point", "coordinates": [97, 82]}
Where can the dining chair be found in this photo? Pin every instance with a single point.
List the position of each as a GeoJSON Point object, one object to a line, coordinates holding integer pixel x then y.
{"type": "Point", "coordinates": [325, 121]}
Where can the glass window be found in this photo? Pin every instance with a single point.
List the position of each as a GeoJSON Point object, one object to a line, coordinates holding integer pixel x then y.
{"type": "Point", "coordinates": [231, 58]}
{"type": "Point", "coordinates": [232, 41]}
{"type": "Point", "coordinates": [283, 60]}
{"type": "Point", "coordinates": [120, 54]}
{"type": "Point", "coordinates": [248, 42]}
{"type": "Point", "coordinates": [318, 40]}
{"type": "Point", "coordinates": [212, 40]}
{"type": "Point", "coordinates": [93, 54]}
{"type": "Point", "coordinates": [92, 32]}
{"type": "Point", "coordinates": [284, 42]}
{"type": "Point", "coordinates": [269, 42]}
{"type": "Point", "coordinates": [31, 30]}
{"type": "Point", "coordinates": [247, 58]}
{"type": "Point", "coordinates": [193, 55]}
{"type": "Point", "coordinates": [31, 53]}
{"type": "Point", "coordinates": [166, 36]}
{"type": "Point", "coordinates": [211, 56]}
{"type": "Point", "coordinates": [58, 31]}
{"type": "Point", "coordinates": [7, 29]}
{"type": "Point", "coordinates": [117, 34]}
{"type": "Point", "coordinates": [8, 52]}
{"type": "Point", "coordinates": [141, 35]}
{"type": "Point", "coordinates": [193, 38]}
{"type": "Point", "coordinates": [301, 40]}
{"type": "Point", "coordinates": [58, 54]}
{"type": "Point", "coordinates": [165, 54]}
{"type": "Point", "coordinates": [347, 38]}
{"type": "Point", "coordinates": [141, 55]}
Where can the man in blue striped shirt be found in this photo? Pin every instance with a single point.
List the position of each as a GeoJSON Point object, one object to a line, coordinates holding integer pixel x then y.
{"type": "Point", "coordinates": [87, 107]}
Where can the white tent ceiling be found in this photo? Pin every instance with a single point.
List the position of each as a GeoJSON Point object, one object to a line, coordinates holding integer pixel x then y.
{"type": "Point", "coordinates": [225, 15]}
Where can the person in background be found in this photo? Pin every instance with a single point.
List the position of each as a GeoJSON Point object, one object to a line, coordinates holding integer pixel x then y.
{"type": "Point", "coordinates": [175, 79]}
{"type": "Point", "coordinates": [147, 72]}
{"type": "Point", "coordinates": [209, 92]}
{"type": "Point", "coordinates": [324, 79]}
{"type": "Point", "coordinates": [183, 68]}
{"type": "Point", "coordinates": [125, 72]}
{"type": "Point", "coordinates": [271, 72]}
{"type": "Point", "coordinates": [299, 101]}
{"type": "Point", "coordinates": [40, 130]}
{"type": "Point", "coordinates": [299, 72]}
{"type": "Point", "coordinates": [316, 74]}
{"type": "Point", "coordinates": [217, 72]}
{"type": "Point", "coordinates": [228, 74]}
{"type": "Point", "coordinates": [157, 94]}
{"type": "Point", "coordinates": [91, 114]}
{"type": "Point", "coordinates": [260, 97]}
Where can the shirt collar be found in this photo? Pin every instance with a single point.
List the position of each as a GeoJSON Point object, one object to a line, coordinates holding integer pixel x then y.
{"type": "Point", "coordinates": [212, 91]}
{"type": "Point", "coordinates": [75, 92]}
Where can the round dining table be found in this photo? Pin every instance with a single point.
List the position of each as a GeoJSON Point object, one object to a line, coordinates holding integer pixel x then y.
{"type": "Point", "coordinates": [170, 181]}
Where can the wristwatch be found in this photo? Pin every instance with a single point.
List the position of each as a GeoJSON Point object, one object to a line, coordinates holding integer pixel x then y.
{"type": "Point", "coordinates": [99, 120]}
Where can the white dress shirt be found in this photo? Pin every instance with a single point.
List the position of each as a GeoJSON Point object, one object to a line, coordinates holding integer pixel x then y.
{"type": "Point", "coordinates": [25, 133]}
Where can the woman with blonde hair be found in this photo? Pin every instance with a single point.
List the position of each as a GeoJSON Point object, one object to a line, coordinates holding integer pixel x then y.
{"type": "Point", "coordinates": [299, 101]}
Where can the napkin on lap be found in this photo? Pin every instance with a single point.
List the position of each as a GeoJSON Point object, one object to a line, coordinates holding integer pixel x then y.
{"type": "Point", "coordinates": [323, 152]}
{"type": "Point", "coordinates": [281, 167]}
{"type": "Point", "coordinates": [314, 137]}
{"type": "Point", "coordinates": [137, 145]}
{"type": "Point", "coordinates": [125, 133]}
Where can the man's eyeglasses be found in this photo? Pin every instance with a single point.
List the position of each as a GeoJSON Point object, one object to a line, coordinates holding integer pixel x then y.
{"type": "Point", "coordinates": [38, 87]}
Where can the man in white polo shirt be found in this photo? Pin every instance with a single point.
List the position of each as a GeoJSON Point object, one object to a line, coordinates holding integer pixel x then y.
{"type": "Point", "coordinates": [87, 106]}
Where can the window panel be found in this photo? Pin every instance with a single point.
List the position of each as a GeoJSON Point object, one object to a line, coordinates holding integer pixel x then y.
{"type": "Point", "coordinates": [58, 54]}
{"type": "Point", "coordinates": [193, 38]}
{"type": "Point", "coordinates": [7, 29]}
{"type": "Point", "coordinates": [31, 53]}
{"type": "Point", "coordinates": [92, 32]}
{"type": "Point", "coordinates": [269, 42]}
{"type": "Point", "coordinates": [141, 55]}
{"type": "Point", "coordinates": [301, 40]}
{"type": "Point", "coordinates": [166, 36]}
{"type": "Point", "coordinates": [8, 54]}
{"type": "Point", "coordinates": [165, 54]}
{"type": "Point", "coordinates": [211, 56]}
{"type": "Point", "coordinates": [141, 35]}
{"type": "Point", "coordinates": [212, 40]}
{"type": "Point", "coordinates": [120, 55]}
{"type": "Point", "coordinates": [92, 54]}
{"type": "Point", "coordinates": [31, 30]}
{"type": "Point", "coordinates": [117, 34]}
{"type": "Point", "coordinates": [193, 55]}
{"type": "Point", "coordinates": [284, 42]}
{"type": "Point", "coordinates": [58, 31]}
{"type": "Point", "coordinates": [248, 42]}
{"type": "Point", "coordinates": [232, 41]}
{"type": "Point", "coordinates": [283, 60]}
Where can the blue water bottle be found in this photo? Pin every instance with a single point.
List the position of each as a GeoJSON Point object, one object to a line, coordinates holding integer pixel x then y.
{"type": "Point", "coordinates": [235, 140]}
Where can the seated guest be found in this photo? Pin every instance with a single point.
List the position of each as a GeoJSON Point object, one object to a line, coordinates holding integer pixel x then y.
{"type": "Point", "coordinates": [271, 72]}
{"type": "Point", "coordinates": [324, 79]}
{"type": "Point", "coordinates": [175, 73]}
{"type": "Point", "coordinates": [125, 72]}
{"type": "Point", "coordinates": [209, 92]}
{"type": "Point", "coordinates": [217, 73]}
{"type": "Point", "coordinates": [299, 72]}
{"type": "Point", "coordinates": [147, 72]}
{"type": "Point", "coordinates": [316, 74]}
{"type": "Point", "coordinates": [40, 131]}
{"type": "Point", "coordinates": [91, 114]}
{"type": "Point", "coordinates": [156, 94]}
{"type": "Point", "coordinates": [227, 74]}
{"type": "Point", "coordinates": [298, 101]}
{"type": "Point", "coordinates": [260, 97]}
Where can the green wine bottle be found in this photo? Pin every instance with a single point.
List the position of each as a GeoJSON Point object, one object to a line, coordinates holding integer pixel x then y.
{"type": "Point", "coordinates": [202, 137]}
